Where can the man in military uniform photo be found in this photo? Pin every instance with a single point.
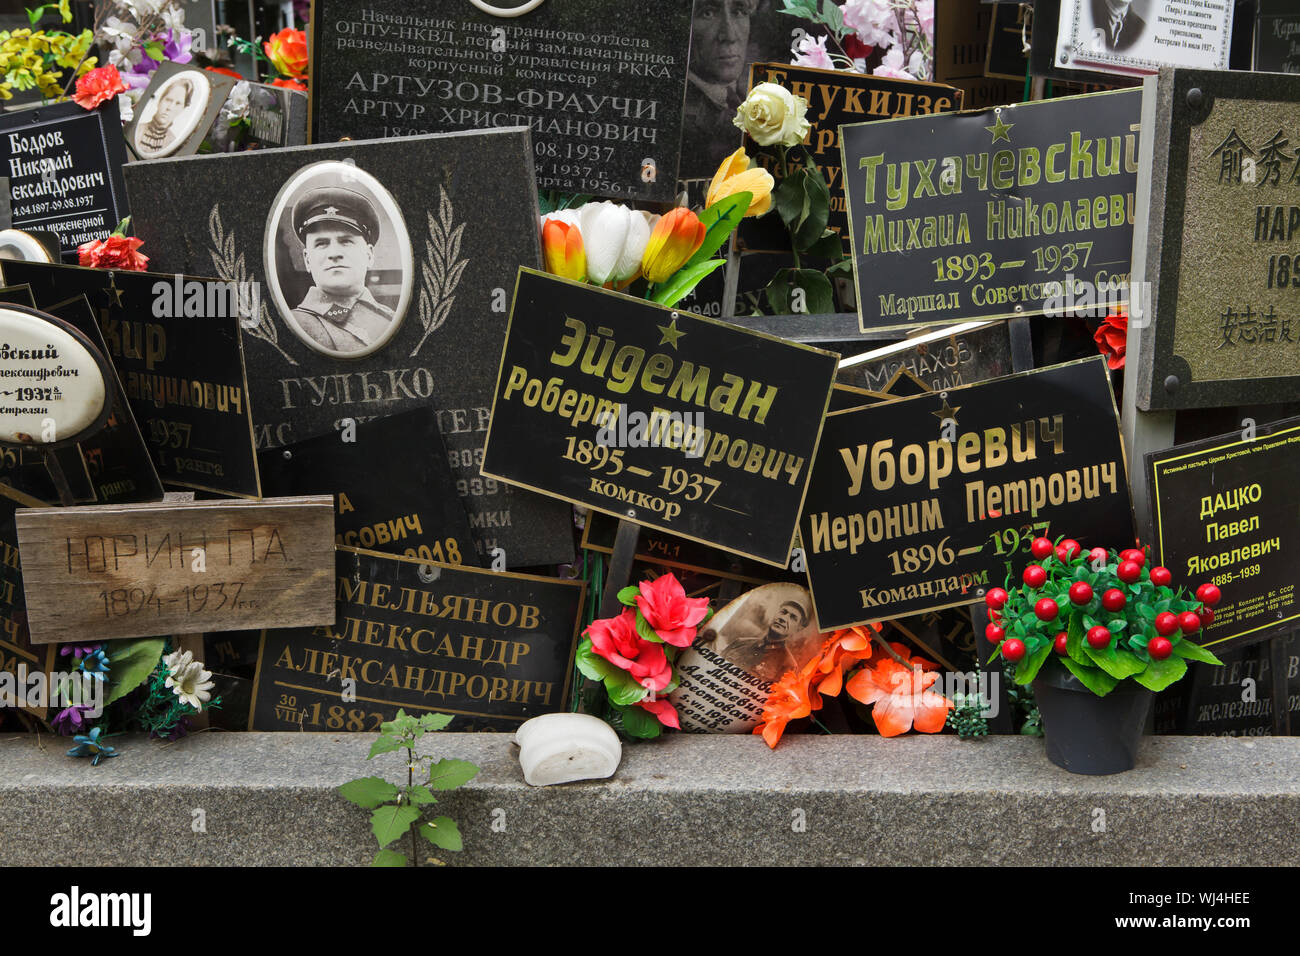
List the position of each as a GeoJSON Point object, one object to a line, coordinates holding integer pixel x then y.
{"type": "Point", "coordinates": [338, 228]}
{"type": "Point", "coordinates": [769, 654]}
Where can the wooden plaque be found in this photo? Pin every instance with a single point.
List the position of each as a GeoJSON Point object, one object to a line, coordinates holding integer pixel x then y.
{"type": "Point", "coordinates": [136, 570]}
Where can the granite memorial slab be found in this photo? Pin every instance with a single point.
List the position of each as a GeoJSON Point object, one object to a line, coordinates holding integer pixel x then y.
{"type": "Point", "coordinates": [1277, 37]}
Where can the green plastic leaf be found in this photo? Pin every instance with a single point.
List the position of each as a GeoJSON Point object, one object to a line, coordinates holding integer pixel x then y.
{"type": "Point", "coordinates": [639, 722]}
{"type": "Point", "coordinates": [1117, 625]}
{"type": "Point", "coordinates": [817, 204]}
{"type": "Point", "coordinates": [384, 745]}
{"type": "Point", "coordinates": [1160, 674]}
{"type": "Point", "coordinates": [720, 221]}
{"type": "Point", "coordinates": [788, 199]}
{"type": "Point", "coordinates": [1116, 664]}
{"type": "Point", "coordinates": [368, 792]}
{"type": "Point", "coordinates": [829, 246]}
{"type": "Point", "coordinates": [1093, 678]}
{"type": "Point", "coordinates": [1027, 669]}
{"type": "Point", "coordinates": [591, 664]}
{"type": "Point", "coordinates": [628, 595]}
{"type": "Point", "coordinates": [389, 858]}
{"type": "Point", "coordinates": [1194, 652]}
{"type": "Point", "coordinates": [681, 282]}
{"type": "Point", "coordinates": [623, 688]}
{"type": "Point", "coordinates": [447, 774]}
{"type": "Point", "coordinates": [644, 629]}
{"type": "Point", "coordinates": [1074, 641]}
{"type": "Point", "coordinates": [130, 662]}
{"type": "Point", "coordinates": [442, 833]}
{"type": "Point", "coordinates": [154, 50]}
{"type": "Point", "coordinates": [1147, 612]}
{"type": "Point", "coordinates": [390, 822]}
{"type": "Point", "coordinates": [420, 796]}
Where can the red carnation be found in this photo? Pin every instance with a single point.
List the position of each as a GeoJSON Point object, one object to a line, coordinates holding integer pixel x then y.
{"type": "Point", "coordinates": [98, 85]}
{"type": "Point", "coordinates": [115, 252]}
{"type": "Point", "coordinates": [1112, 338]}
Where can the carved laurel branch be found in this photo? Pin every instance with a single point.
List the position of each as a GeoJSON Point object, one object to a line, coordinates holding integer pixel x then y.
{"type": "Point", "coordinates": [230, 268]}
{"type": "Point", "coordinates": [440, 270]}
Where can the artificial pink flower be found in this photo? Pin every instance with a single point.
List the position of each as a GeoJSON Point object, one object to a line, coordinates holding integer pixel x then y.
{"type": "Point", "coordinates": [616, 640]}
{"type": "Point", "coordinates": [666, 608]}
{"type": "Point", "coordinates": [663, 710]}
{"type": "Point", "coordinates": [812, 52]}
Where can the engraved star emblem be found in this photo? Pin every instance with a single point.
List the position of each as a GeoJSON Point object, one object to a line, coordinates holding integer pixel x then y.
{"type": "Point", "coordinates": [113, 293]}
{"type": "Point", "coordinates": [1000, 130]}
{"type": "Point", "coordinates": [331, 210]}
{"type": "Point", "coordinates": [671, 333]}
{"type": "Point", "coordinates": [947, 411]}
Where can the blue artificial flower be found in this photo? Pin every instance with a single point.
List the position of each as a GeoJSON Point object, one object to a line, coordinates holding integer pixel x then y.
{"type": "Point", "coordinates": [94, 665]}
{"type": "Point", "coordinates": [89, 745]}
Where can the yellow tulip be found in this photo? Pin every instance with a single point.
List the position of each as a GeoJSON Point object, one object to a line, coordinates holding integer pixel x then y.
{"type": "Point", "coordinates": [562, 250]}
{"type": "Point", "coordinates": [738, 175]}
{"type": "Point", "coordinates": [675, 238]}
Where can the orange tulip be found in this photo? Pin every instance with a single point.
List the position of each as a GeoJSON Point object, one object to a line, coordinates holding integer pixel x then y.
{"type": "Point", "coordinates": [735, 175]}
{"type": "Point", "coordinates": [563, 251]}
{"type": "Point", "coordinates": [674, 240]}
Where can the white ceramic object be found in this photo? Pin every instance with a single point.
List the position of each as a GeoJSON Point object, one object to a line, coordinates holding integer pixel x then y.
{"type": "Point", "coordinates": [560, 748]}
{"type": "Point", "coordinates": [18, 245]}
{"type": "Point", "coordinates": [51, 388]}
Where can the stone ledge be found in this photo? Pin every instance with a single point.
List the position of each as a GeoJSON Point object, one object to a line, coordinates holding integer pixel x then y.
{"type": "Point", "coordinates": [270, 799]}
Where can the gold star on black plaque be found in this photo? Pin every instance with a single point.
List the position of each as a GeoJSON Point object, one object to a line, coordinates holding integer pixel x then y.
{"type": "Point", "coordinates": [1000, 130]}
{"type": "Point", "coordinates": [947, 411]}
{"type": "Point", "coordinates": [113, 293]}
{"type": "Point", "coordinates": [671, 333]}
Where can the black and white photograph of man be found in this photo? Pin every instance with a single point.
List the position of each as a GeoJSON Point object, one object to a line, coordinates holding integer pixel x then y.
{"type": "Point", "coordinates": [767, 631]}
{"type": "Point", "coordinates": [338, 260]}
{"type": "Point", "coordinates": [1116, 25]}
{"type": "Point", "coordinates": [171, 114]}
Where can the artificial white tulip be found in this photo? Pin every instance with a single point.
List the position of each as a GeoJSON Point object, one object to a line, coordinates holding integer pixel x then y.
{"type": "Point", "coordinates": [615, 238]}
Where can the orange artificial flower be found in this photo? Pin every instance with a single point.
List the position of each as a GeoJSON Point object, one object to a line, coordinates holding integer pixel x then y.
{"type": "Point", "coordinates": [899, 694]}
{"type": "Point", "coordinates": [98, 85]}
{"type": "Point", "coordinates": [223, 71]}
{"type": "Point", "coordinates": [563, 251]}
{"type": "Point", "coordinates": [789, 699]}
{"type": "Point", "coordinates": [289, 84]}
{"type": "Point", "coordinates": [673, 241]}
{"type": "Point", "coordinates": [287, 51]}
{"type": "Point", "coordinates": [736, 176]}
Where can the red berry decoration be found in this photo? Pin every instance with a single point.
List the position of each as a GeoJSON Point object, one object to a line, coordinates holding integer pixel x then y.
{"type": "Point", "coordinates": [1161, 577]}
{"type": "Point", "coordinates": [995, 616]}
{"type": "Point", "coordinates": [1046, 609]}
{"type": "Point", "coordinates": [1034, 576]}
{"type": "Point", "coordinates": [1114, 600]}
{"type": "Point", "coordinates": [1060, 643]}
{"type": "Point", "coordinates": [1166, 623]}
{"type": "Point", "coordinates": [995, 633]}
{"type": "Point", "coordinates": [1129, 572]}
{"type": "Point", "coordinates": [1206, 615]}
{"type": "Point", "coordinates": [1013, 650]}
{"type": "Point", "coordinates": [1068, 550]}
{"type": "Point", "coordinates": [1190, 622]}
{"type": "Point", "coordinates": [1099, 554]}
{"type": "Point", "coordinates": [1099, 636]}
{"type": "Point", "coordinates": [1159, 648]}
{"type": "Point", "coordinates": [1133, 554]}
{"type": "Point", "coordinates": [1040, 548]}
{"type": "Point", "coordinates": [1080, 592]}
{"type": "Point", "coordinates": [997, 599]}
{"type": "Point", "coordinates": [1208, 595]}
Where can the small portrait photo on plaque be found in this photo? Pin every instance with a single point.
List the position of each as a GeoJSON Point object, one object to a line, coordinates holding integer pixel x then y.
{"type": "Point", "coordinates": [1116, 25]}
{"type": "Point", "coordinates": [768, 631]}
{"type": "Point", "coordinates": [338, 259]}
{"type": "Point", "coordinates": [171, 114]}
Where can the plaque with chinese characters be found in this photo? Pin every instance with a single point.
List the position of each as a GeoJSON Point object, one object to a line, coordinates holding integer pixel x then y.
{"type": "Point", "coordinates": [1222, 240]}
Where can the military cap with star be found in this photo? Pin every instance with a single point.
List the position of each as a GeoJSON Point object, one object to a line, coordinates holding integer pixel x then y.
{"type": "Point", "coordinates": [336, 205]}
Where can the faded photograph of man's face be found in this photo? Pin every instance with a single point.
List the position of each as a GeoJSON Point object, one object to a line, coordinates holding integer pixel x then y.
{"type": "Point", "coordinates": [788, 620]}
{"type": "Point", "coordinates": [338, 259]}
{"type": "Point", "coordinates": [720, 39]}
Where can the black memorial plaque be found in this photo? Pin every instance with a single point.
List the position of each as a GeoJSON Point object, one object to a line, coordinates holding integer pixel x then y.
{"type": "Point", "coordinates": [64, 165]}
{"type": "Point", "coordinates": [961, 36]}
{"type": "Point", "coordinates": [671, 420]}
{"type": "Point", "coordinates": [16, 648]}
{"type": "Point", "coordinates": [491, 649]}
{"type": "Point", "coordinates": [1225, 513]}
{"type": "Point", "coordinates": [835, 98]}
{"type": "Point", "coordinates": [393, 488]}
{"type": "Point", "coordinates": [961, 357]}
{"type": "Point", "coordinates": [1220, 241]}
{"type": "Point", "coordinates": [601, 91]}
{"type": "Point", "coordinates": [908, 512]}
{"type": "Point", "coordinates": [447, 242]}
{"type": "Point", "coordinates": [1007, 58]}
{"type": "Point", "coordinates": [990, 214]}
{"type": "Point", "coordinates": [1236, 700]}
{"type": "Point", "coordinates": [272, 117]}
{"type": "Point", "coordinates": [175, 343]}
{"type": "Point", "coordinates": [1277, 37]}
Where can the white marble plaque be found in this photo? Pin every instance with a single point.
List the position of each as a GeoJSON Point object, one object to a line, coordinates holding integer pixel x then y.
{"type": "Point", "coordinates": [51, 384]}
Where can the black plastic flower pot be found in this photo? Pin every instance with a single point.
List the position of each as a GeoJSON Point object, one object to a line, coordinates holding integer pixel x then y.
{"type": "Point", "coordinates": [1088, 734]}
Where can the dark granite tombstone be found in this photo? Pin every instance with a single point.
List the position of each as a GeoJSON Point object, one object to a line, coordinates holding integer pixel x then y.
{"type": "Point", "coordinates": [1277, 37]}
{"type": "Point", "coordinates": [1217, 249]}
{"type": "Point", "coordinates": [258, 116]}
{"type": "Point", "coordinates": [961, 31]}
{"type": "Point", "coordinates": [600, 88]}
{"type": "Point", "coordinates": [943, 359]}
{"type": "Point", "coordinates": [64, 165]}
{"type": "Point", "coordinates": [430, 317]}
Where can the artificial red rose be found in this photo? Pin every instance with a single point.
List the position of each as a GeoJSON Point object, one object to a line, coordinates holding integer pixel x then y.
{"type": "Point", "coordinates": [98, 85]}
{"type": "Point", "coordinates": [289, 84]}
{"type": "Point", "coordinates": [666, 608]}
{"type": "Point", "coordinates": [663, 710]}
{"type": "Point", "coordinates": [224, 71]}
{"type": "Point", "coordinates": [855, 49]}
{"type": "Point", "coordinates": [115, 252]}
{"type": "Point", "coordinates": [287, 51]}
{"type": "Point", "coordinates": [1112, 338]}
{"type": "Point", "coordinates": [616, 640]}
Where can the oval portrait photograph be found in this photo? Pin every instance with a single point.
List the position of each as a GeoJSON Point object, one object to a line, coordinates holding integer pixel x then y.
{"type": "Point", "coordinates": [169, 116]}
{"type": "Point", "coordinates": [338, 259]}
